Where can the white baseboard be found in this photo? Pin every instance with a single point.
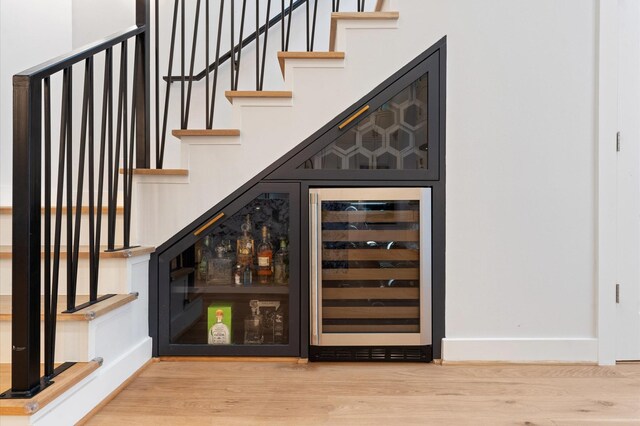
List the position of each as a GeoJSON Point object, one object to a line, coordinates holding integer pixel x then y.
{"type": "Point", "coordinates": [520, 350]}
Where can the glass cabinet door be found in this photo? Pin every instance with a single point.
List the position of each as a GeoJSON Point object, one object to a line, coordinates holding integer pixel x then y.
{"type": "Point", "coordinates": [230, 290]}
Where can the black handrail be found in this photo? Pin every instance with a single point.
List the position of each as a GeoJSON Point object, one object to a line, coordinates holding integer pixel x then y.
{"type": "Point", "coordinates": [31, 116]}
{"type": "Point", "coordinates": [249, 39]}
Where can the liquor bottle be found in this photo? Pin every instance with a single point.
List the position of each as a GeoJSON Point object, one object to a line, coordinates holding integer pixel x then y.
{"type": "Point", "coordinates": [245, 244]}
{"type": "Point", "coordinates": [238, 275]}
{"type": "Point", "coordinates": [219, 333]}
{"type": "Point", "coordinates": [253, 325]}
{"type": "Point", "coordinates": [281, 264]}
{"type": "Point", "coordinates": [265, 258]}
{"type": "Point", "coordinates": [219, 268]}
{"type": "Point", "coordinates": [278, 327]}
{"type": "Point", "coordinates": [202, 260]}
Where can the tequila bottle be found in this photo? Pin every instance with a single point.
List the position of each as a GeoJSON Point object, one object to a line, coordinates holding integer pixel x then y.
{"type": "Point", "coordinates": [265, 258]}
{"type": "Point", "coordinates": [219, 333]}
{"type": "Point", "coordinates": [281, 264]}
{"type": "Point", "coordinates": [253, 325]}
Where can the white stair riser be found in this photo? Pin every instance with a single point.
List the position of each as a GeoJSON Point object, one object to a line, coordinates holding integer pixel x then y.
{"type": "Point", "coordinates": [71, 341]}
{"type": "Point", "coordinates": [112, 276]}
{"type": "Point", "coordinates": [6, 229]}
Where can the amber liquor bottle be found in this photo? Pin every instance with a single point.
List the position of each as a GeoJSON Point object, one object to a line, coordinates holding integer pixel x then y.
{"type": "Point", "coordinates": [265, 258]}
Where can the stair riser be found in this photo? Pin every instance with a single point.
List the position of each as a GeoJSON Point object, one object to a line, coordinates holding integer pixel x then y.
{"type": "Point", "coordinates": [71, 342]}
{"type": "Point", "coordinates": [112, 276]}
{"type": "Point", "coordinates": [6, 229]}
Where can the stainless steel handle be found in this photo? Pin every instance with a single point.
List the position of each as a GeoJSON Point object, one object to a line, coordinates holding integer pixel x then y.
{"type": "Point", "coordinates": [314, 224]}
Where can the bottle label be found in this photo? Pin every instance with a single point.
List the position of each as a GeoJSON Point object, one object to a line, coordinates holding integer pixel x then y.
{"type": "Point", "coordinates": [263, 261]}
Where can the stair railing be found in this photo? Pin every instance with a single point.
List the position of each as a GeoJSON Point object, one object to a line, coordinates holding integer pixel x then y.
{"type": "Point", "coordinates": [263, 23]}
{"type": "Point", "coordinates": [78, 158]}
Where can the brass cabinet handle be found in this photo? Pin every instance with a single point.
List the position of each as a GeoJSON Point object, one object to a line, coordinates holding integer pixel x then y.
{"type": "Point", "coordinates": [208, 224]}
{"type": "Point", "coordinates": [353, 117]}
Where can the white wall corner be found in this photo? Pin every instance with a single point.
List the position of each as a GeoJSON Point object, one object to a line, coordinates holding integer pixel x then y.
{"type": "Point", "coordinates": [607, 119]}
{"type": "Point", "coordinates": [520, 349]}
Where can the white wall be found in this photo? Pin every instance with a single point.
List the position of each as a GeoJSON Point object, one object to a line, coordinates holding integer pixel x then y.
{"type": "Point", "coordinates": [31, 32]}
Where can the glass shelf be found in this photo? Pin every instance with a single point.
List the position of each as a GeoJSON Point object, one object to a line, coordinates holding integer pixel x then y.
{"type": "Point", "coordinates": [229, 289]}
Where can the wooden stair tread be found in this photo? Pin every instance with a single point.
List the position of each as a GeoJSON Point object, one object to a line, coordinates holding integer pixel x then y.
{"type": "Point", "coordinates": [232, 94]}
{"type": "Point", "coordinates": [159, 172]}
{"type": "Point", "coordinates": [86, 314]}
{"type": "Point", "coordinates": [6, 252]}
{"type": "Point", "coordinates": [336, 16]}
{"type": "Point", "coordinates": [62, 383]}
{"type": "Point", "coordinates": [205, 132]}
{"type": "Point", "coordinates": [307, 55]}
{"type": "Point", "coordinates": [85, 209]}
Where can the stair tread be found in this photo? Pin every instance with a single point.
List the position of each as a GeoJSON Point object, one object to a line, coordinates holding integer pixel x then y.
{"type": "Point", "coordinates": [231, 94]}
{"type": "Point", "coordinates": [205, 132]}
{"type": "Point", "coordinates": [159, 172]}
{"type": "Point", "coordinates": [6, 252]}
{"type": "Point", "coordinates": [62, 383]}
{"type": "Point", "coordinates": [86, 314]}
{"type": "Point", "coordinates": [85, 209]}
{"type": "Point", "coordinates": [307, 55]}
{"type": "Point", "coordinates": [335, 16]}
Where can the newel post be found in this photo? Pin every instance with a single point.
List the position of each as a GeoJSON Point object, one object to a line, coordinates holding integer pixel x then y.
{"type": "Point", "coordinates": [25, 275]}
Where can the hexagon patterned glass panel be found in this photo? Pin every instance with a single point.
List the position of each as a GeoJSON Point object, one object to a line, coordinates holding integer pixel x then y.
{"type": "Point", "coordinates": [393, 137]}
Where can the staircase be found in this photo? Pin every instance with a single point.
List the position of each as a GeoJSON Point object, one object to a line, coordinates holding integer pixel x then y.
{"type": "Point", "coordinates": [108, 341]}
{"type": "Point", "coordinates": [264, 125]}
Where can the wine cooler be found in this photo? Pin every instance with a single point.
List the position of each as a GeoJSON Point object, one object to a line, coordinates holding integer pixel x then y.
{"type": "Point", "coordinates": [370, 273]}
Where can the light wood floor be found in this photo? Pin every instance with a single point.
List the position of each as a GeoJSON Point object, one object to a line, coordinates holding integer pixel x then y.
{"type": "Point", "coordinates": [233, 393]}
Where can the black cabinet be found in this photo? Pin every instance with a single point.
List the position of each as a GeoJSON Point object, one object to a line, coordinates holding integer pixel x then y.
{"type": "Point", "coordinates": [231, 287]}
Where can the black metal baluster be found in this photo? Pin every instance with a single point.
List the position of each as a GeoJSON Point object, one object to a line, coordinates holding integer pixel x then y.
{"type": "Point", "coordinates": [313, 28]}
{"type": "Point", "coordinates": [264, 46]}
{"type": "Point", "coordinates": [93, 283]}
{"type": "Point", "coordinates": [307, 20]}
{"type": "Point", "coordinates": [257, 44]}
{"type": "Point", "coordinates": [128, 171]}
{"type": "Point", "coordinates": [337, 5]}
{"type": "Point", "coordinates": [156, 30]}
{"type": "Point", "coordinates": [289, 25]}
{"type": "Point", "coordinates": [232, 64]}
{"type": "Point", "coordinates": [239, 49]}
{"type": "Point", "coordinates": [57, 239]}
{"type": "Point", "coordinates": [48, 362]}
{"type": "Point", "coordinates": [216, 66]}
{"type": "Point", "coordinates": [126, 159]}
{"type": "Point", "coordinates": [122, 93]}
{"type": "Point", "coordinates": [182, 48]}
{"type": "Point", "coordinates": [282, 25]}
{"type": "Point", "coordinates": [206, 61]}
{"type": "Point", "coordinates": [185, 124]}
{"type": "Point", "coordinates": [168, 87]}
{"type": "Point", "coordinates": [78, 206]}
{"type": "Point", "coordinates": [70, 297]}
{"type": "Point", "coordinates": [112, 169]}
{"type": "Point", "coordinates": [106, 112]}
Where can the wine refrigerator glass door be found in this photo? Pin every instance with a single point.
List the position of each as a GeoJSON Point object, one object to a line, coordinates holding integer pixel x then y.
{"type": "Point", "coordinates": [370, 266]}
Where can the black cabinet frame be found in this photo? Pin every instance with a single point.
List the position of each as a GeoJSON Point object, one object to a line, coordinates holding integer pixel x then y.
{"type": "Point", "coordinates": [284, 173]}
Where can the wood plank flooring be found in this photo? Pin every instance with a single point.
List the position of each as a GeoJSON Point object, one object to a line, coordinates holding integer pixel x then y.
{"type": "Point", "coordinates": [248, 393]}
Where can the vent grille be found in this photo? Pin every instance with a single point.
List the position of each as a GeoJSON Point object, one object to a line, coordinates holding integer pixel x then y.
{"type": "Point", "coordinates": [366, 353]}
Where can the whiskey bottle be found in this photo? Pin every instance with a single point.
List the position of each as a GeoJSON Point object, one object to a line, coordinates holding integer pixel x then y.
{"type": "Point", "coordinates": [281, 264]}
{"type": "Point", "coordinates": [219, 333]}
{"type": "Point", "coordinates": [265, 258]}
{"type": "Point", "coordinates": [278, 327]}
{"type": "Point", "coordinates": [245, 244]}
